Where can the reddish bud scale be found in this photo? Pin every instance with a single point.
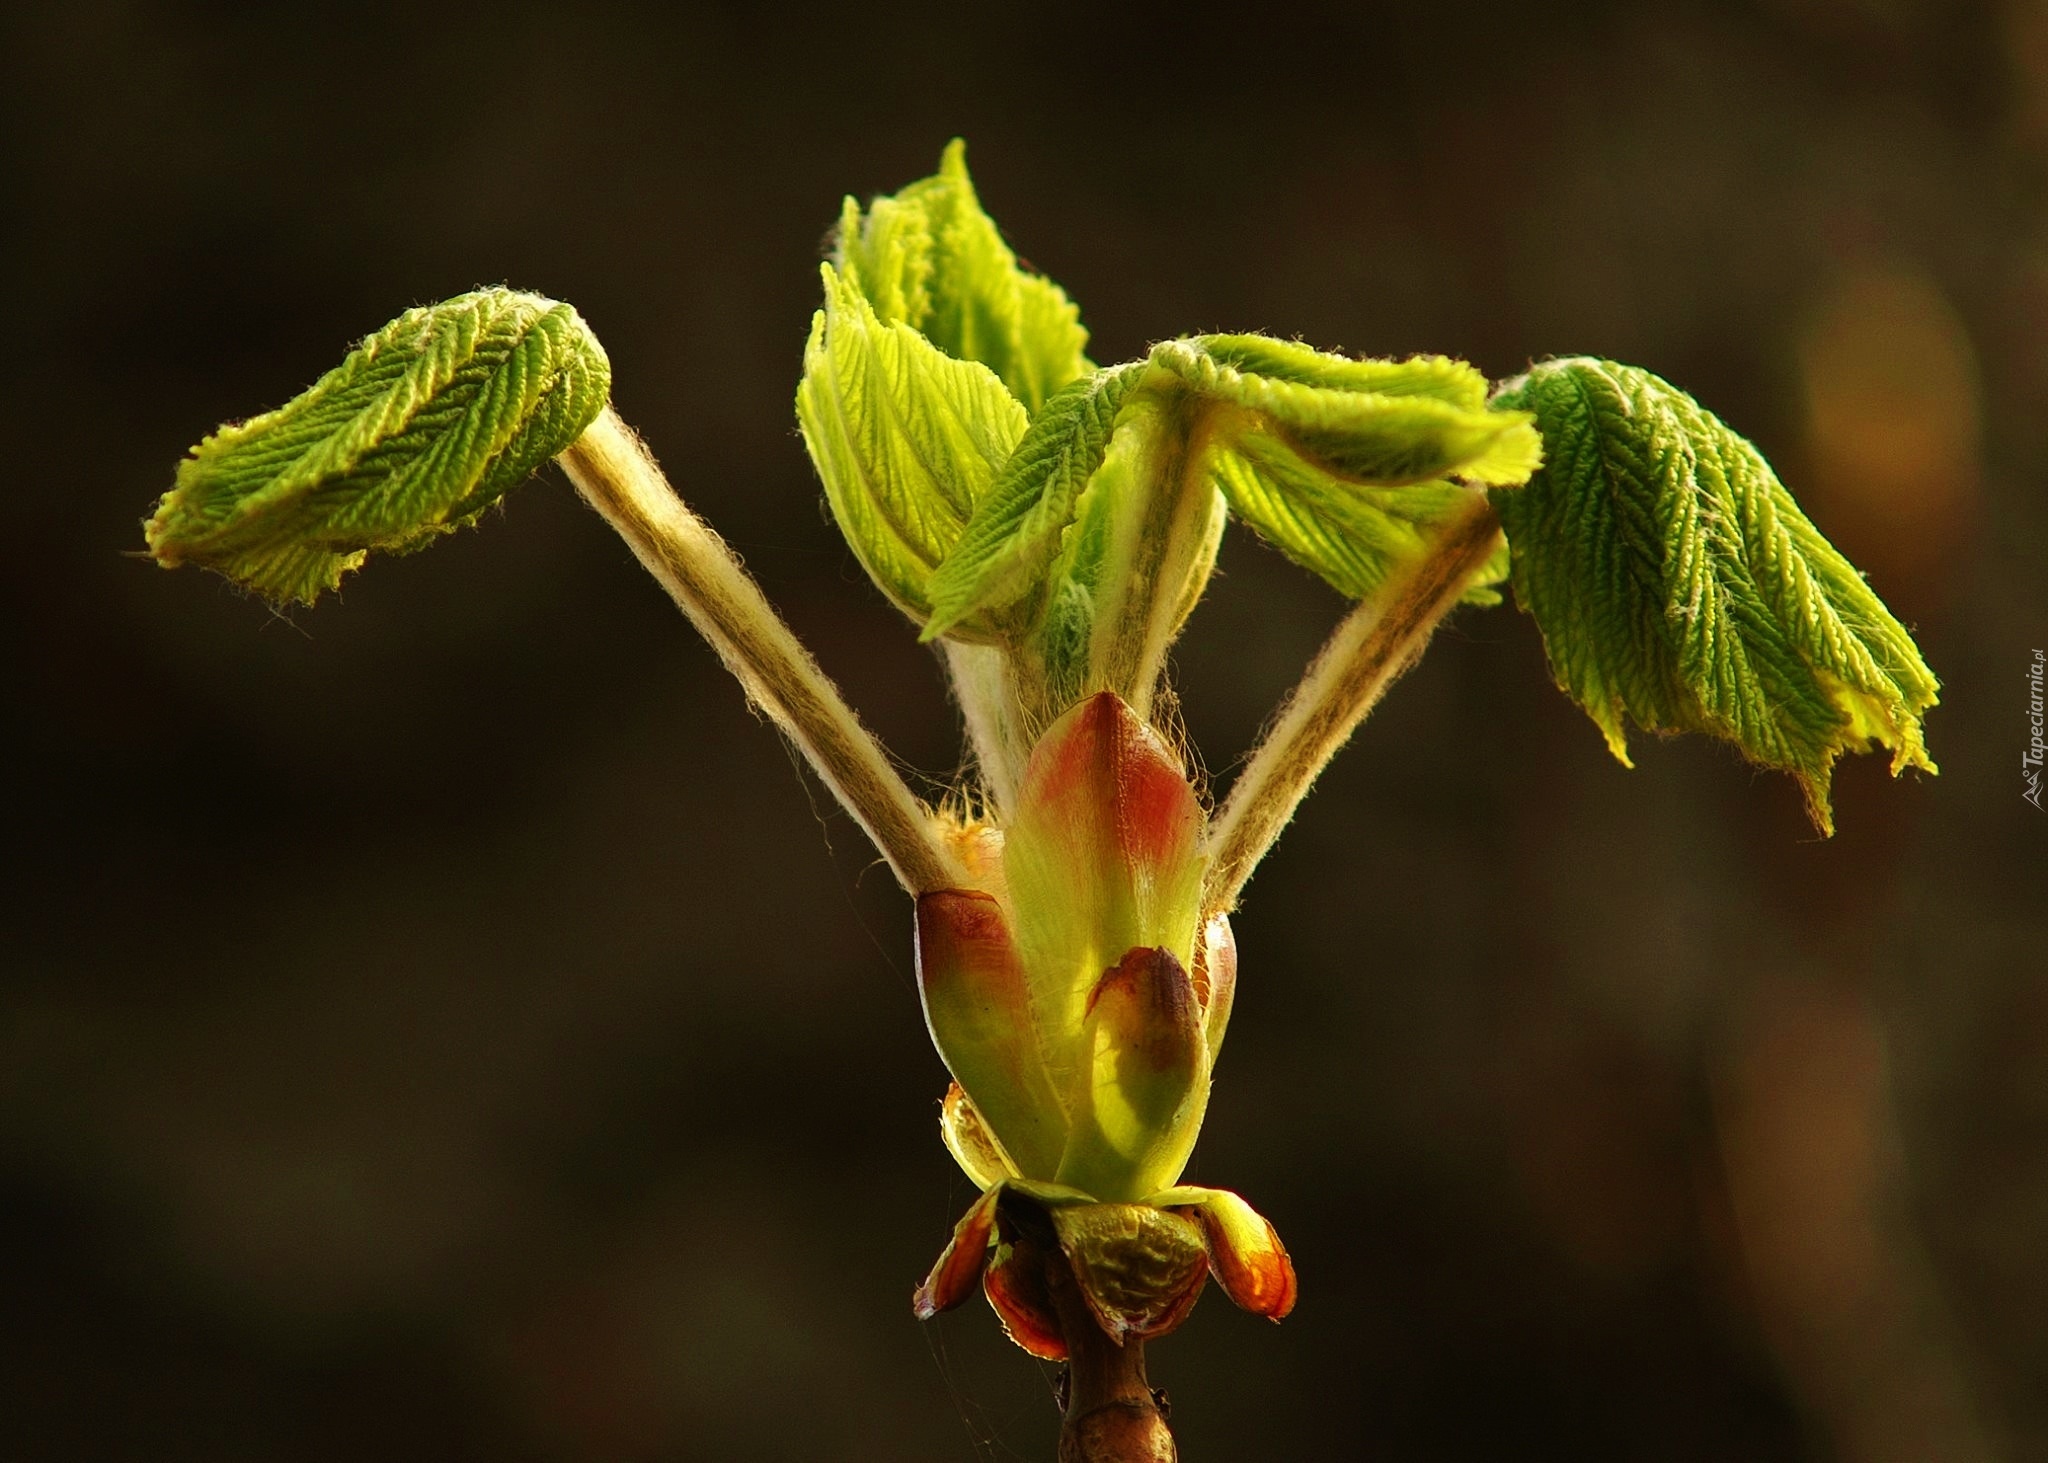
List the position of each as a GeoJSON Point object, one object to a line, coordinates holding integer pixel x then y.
{"type": "Point", "coordinates": [977, 1003]}
{"type": "Point", "coordinates": [1110, 779]}
{"type": "Point", "coordinates": [1140, 1269]}
{"type": "Point", "coordinates": [1146, 1001]}
{"type": "Point", "coordinates": [1246, 1255]}
{"type": "Point", "coordinates": [960, 1262]}
{"type": "Point", "coordinates": [1079, 999]}
{"type": "Point", "coordinates": [1015, 1285]}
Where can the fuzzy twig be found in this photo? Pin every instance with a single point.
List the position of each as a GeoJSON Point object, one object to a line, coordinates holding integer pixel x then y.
{"type": "Point", "coordinates": [616, 474]}
{"type": "Point", "coordinates": [1366, 653]}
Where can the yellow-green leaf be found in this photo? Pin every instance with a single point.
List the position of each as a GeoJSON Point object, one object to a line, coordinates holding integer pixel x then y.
{"type": "Point", "coordinates": [1341, 464]}
{"type": "Point", "coordinates": [1373, 423]}
{"type": "Point", "coordinates": [906, 438]}
{"type": "Point", "coordinates": [424, 426]}
{"type": "Point", "coordinates": [1015, 532]}
{"type": "Point", "coordinates": [928, 257]}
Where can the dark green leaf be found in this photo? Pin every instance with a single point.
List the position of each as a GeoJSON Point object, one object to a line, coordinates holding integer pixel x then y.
{"type": "Point", "coordinates": [1678, 585]}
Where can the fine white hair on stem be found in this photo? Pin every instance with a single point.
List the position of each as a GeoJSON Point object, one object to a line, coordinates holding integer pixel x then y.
{"type": "Point", "coordinates": [617, 476]}
{"type": "Point", "coordinates": [1367, 652]}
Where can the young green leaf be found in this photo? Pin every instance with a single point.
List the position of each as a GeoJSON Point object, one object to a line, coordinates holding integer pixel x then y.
{"type": "Point", "coordinates": [1341, 464]}
{"type": "Point", "coordinates": [1353, 537]}
{"type": "Point", "coordinates": [424, 426]}
{"type": "Point", "coordinates": [1111, 508]}
{"type": "Point", "coordinates": [1678, 585]}
{"type": "Point", "coordinates": [1015, 531]}
{"type": "Point", "coordinates": [1453, 382]}
{"type": "Point", "coordinates": [1373, 423]}
{"type": "Point", "coordinates": [906, 438]}
{"type": "Point", "coordinates": [930, 258]}
{"type": "Point", "coordinates": [1136, 556]}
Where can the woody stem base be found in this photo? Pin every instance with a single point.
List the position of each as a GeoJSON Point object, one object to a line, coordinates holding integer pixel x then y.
{"type": "Point", "coordinates": [1112, 1413]}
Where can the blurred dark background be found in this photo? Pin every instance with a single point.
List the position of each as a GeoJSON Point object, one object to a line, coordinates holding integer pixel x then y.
{"type": "Point", "coordinates": [444, 1024]}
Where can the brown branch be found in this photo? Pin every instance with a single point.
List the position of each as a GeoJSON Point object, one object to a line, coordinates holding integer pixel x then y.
{"type": "Point", "coordinates": [1113, 1415]}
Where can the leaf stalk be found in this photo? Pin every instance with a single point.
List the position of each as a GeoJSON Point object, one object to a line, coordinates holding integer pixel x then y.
{"type": "Point", "coordinates": [1367, 653]}
{"type": "Point", "coordinates": [617, 476]}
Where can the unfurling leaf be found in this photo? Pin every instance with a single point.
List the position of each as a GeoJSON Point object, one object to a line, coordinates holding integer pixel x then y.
{"type": "Point", "coordinates": [1002, 491]}
{"type": "Point", "coordinates": [1343, 464]}
{"type": "Point", "coordinates": [1016, 528]}
{"type": "Point", "coordinates": [1351, 536]}
{"type": "Point", "coordinates": [907, 438]}
{"type": "Point", "coordinates": [929, 258]}
{"type": "Point", "coordinates": [1136, 557]}
{"type": "Point", "coordinates": [1381, 424]}
{"type": "Point", "coordinates": [1101, 529]}
{"type": "Point", "coordinates": [932, 352]}
{"type": "Point", "coordinates": [1678, 585]}
{"type": "Point", "coordinates": [424, 426]}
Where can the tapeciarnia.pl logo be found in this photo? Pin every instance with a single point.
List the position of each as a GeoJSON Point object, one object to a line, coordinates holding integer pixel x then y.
{"type": "Point", "coordinates": [2030, 760]}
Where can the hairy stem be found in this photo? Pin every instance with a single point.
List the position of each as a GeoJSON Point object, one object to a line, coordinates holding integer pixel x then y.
{"type": "Point", "coordinates": [1366, 653]}
{"type": "Point", "coordinates": [1112, 1413]}
{"type": "Point", "coordinates": [616, 474]}
{"type": "Point", "coordinates": [984, 681]}
{"type": "Point", "coordinates": [1172, 526]}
